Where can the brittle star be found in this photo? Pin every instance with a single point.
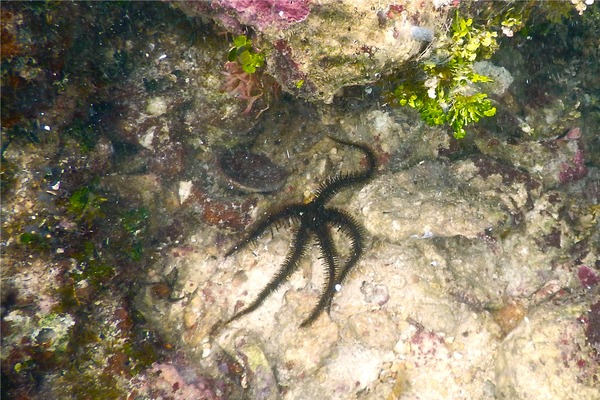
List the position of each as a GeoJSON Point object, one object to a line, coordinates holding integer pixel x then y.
{"type": "Point", "coordinates": [315, 220]}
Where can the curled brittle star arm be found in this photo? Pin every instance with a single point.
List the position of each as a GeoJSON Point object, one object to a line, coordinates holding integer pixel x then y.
{"type": "Point", "coordinates": [276, 219]}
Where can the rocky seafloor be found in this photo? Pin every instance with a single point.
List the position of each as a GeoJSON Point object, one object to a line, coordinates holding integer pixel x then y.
{"type": "Point", "coordinates": [481, 272]}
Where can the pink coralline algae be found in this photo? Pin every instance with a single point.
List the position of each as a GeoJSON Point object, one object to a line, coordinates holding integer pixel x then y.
{"type": "Point", "coordinates": [180, 382]}
{"type": "Point", "coordinates": [268, 13]}
{"type": "Point", "coordinates": [427, 348]}
{"type": "Point", "coordinates": [587, 277]}
{"type": "Point", "coordinates": [575, 170]}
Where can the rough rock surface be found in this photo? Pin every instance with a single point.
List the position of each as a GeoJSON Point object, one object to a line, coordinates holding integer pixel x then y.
{"type": "Point", "coordinates": [481, 272]}
{"type": "Point", "coordinates": [548, 344]}
{"type": "Point", "coordinates": [464, 257]}
{"type": "Point", "coordinates": [316, 48]}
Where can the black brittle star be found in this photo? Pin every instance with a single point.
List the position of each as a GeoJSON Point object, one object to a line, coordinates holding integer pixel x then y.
{"type": "Point", "coordinates": [314, 220]}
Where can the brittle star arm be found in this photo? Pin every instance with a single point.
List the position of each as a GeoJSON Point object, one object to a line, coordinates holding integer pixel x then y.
{"type": "Point", "coordinates": [349, 227]}
{"type": "Point", "coordinates": [338, 182]}
{"type": "Point", "coordinates": [290, 265]}
{"type": "Point", "coordinates": [329, 257]}
{"type": "Point", "coordinates": [276, 219]}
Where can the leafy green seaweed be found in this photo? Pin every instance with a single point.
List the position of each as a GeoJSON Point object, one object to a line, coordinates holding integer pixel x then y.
{"type": "Point", "coordinates": [243, 53]}
{"type": "Point", "coordinates": [447, 94]}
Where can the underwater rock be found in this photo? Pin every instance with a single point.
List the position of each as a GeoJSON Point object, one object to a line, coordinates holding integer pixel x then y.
{"type": "Point", "coordinates": [177, 379]}
{"type": "Point", "coordinates": [314, 49]}
{"type": "Point", "coordinates": [433, 199]}
{"type": "Point", "coordinates": [501, 78]}
{"type": "Point", "coordinates": [254, 370]}
{"type": "Point", "coordinates": [428, 310]}
{"type": "Point", "coordinates": [555, 162]}
{"type": "Point", "coordinates": [546, 357]}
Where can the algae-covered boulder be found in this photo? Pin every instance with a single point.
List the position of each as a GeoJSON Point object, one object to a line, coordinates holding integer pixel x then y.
{"type": "Point", "coordinates": [315, 48]}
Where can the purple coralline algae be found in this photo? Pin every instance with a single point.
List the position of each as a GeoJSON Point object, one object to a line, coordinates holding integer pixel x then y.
{"type": "Point", "coordinates": [265, 13]}
{"type": "Point", "coordinates": [587, 277]}
{"type": "Point", "coordinates": [575, 170]}
{"type": "Point", "coordinates": [259, 14]}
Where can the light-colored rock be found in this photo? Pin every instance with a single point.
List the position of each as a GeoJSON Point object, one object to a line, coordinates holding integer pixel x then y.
{"type": "Point", "coordinates": [435, 199]}
{"type": "Point", "coordinates": [501, 78]}
{"type": "Point", "coordinates": [547, 357]}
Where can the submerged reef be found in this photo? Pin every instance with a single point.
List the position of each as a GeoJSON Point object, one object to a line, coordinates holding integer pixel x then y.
{"type": "Point", "coordinates": [128, 170]}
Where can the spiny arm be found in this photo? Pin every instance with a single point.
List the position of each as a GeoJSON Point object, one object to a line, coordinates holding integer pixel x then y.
{"type": "Point", "coordinates": [275, 218]}
{"type": "Point", "coordinates": [329, 257]}
{"type": "Point", "coordinates": [290, 265]}
{"type": "Point", "coordinates": [349, 227]}
{"type": "Point", "coordinates": [336, 183]}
